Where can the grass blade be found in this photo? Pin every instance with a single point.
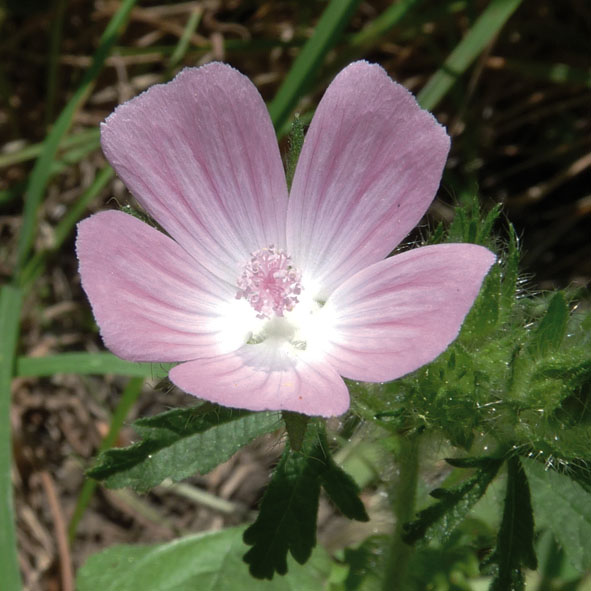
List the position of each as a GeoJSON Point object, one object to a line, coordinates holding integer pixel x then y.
{"type": "Point", "coordinates": [185, 41]}
{"type": "Point", "coordinates": [42, 169]}
{"type": "Point", "coordinates": [34, 267]}
{"type": "Point", "coordinates": [55, 39]}
{"type": "Point", "coordinates": [371, 33]}
{"type": "Point", "coordinates": [10, 306]}
{"type": "Point", "coordinates": [32, 151]}
{"type": "Point", "coordinates": [87, 363]}
{"type": "Point", "coordinates": [128, 398]}
{"type": "Point", "coordinates": [488, 24]}
{"type": "Point", "coordinates": [330, 26]}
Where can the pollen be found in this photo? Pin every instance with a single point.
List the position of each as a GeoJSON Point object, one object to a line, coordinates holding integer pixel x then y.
{"type": "Point", "coordinates": [270, 283]}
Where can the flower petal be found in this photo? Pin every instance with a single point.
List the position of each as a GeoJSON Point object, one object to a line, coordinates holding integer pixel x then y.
{"type": "Point", "coordinates": [401, 313]}
{"type": "Point", "coordinates": [369, 168]}
{"type": "Point", "coordinates": [265, 377]}
{"type": "Point", "coordinates": [200, 155]}
{"type": "Point", "coordinates": [151, 300]}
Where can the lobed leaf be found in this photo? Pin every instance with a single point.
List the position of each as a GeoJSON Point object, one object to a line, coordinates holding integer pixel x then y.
{"type": "Point", "coordinates": [179, 443]}
{"type": "Point", "coordinates": [515, 540]}
{"type": "Point", "coordinates": [287, 517]}
{"type": "Point", "coordinates": [439, 520]}
{"type": "Point", "coordinates": [340, 486]}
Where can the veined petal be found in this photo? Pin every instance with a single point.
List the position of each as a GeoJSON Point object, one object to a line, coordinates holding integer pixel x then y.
{"type": "Point", "coordinates": [265, 377]}
{"type": "Point", "coordinates": [151, 300]}
{"type": "Point", "coordinates": [401, 313]}
{"type": "Point", "coordinates": [369, 168]}
{"type": "Point", "coordinates": [200, 155]}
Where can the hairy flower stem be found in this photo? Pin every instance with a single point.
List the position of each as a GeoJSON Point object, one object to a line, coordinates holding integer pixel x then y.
{"type": "Point", "coordinates": [403, 497]}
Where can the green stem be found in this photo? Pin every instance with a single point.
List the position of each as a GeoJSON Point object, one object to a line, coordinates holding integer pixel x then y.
{"type": "Point", "coordinates": [403, 506]}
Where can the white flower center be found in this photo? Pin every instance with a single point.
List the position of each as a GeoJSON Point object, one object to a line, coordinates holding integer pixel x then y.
{"type": "Point", "coordinates": [275, 305]}
{"type": "Point", "coordinates": [270, 283]}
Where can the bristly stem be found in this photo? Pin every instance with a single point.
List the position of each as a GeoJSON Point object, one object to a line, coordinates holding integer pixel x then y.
{"type": "Point", "coordinates": [403, 498]}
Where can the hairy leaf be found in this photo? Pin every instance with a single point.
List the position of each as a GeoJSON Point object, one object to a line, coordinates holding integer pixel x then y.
{"type": "Point", "coordinates": [339, 486]}
{"type": "Point", "coordinates": [439, 520]}
{"type": "Point", "coordinates": [295, 425]}
{"type": "Point", "coordinates": [515, 540]}
{"type": "Point", "coordinates": [552, 328]}
{"type": "Point", "coordinates": [563, 506]}
{"type": "Point", "coordinates": [179, 443]}
{"type": "Point", "coordinates": [287, 517]}
{"type": "Point", "coordinates": [483, 318]}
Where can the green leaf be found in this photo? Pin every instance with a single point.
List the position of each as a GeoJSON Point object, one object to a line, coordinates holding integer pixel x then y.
{"type": "Point", "coordinates": [550, 331]}
{"type": "Point", "coordinates": [516, 536]}
{"type": "Point", "coordinates": [296, 425]}
{"type": "Point", "coordinates": [339, 486]}
{"type": "Point", "coordinates": [563, 506]}
{"type": "Point", "coordinates": [287, 518]}
{"type": "Point", "coordinates": [483, 318]}
{"type": "Point", "coordinates": [10, 311]}
{"type": "Point", "coordinates": [481, 462]}
{"type": "Point", "coordinates": [485, 230]}
{"type": "Point", "coordinates": [439, 520]}
{"type": "Point", "coordinates": [179, 443]}
{"type": "Point", "coordinates": [203, 562]}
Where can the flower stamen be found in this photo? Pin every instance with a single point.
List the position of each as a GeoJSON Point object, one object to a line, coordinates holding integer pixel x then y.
{"type": "Point", "coordinates": [270, 283]}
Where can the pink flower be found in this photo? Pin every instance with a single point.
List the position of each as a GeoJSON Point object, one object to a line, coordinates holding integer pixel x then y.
{"type": "Point", "coordinates": [268, 301]}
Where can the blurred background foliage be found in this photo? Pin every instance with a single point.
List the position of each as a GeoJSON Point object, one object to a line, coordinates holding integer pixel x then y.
{"type": "Point", "coordinates": [511, 79]}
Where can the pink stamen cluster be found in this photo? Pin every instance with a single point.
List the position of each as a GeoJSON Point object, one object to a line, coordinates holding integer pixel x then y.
{"type": "Point", "coordinates": [270, 283]}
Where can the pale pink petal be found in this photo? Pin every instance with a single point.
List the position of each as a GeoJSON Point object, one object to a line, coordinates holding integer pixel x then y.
{"type": "Point", "coordinates": [151, 300]}
{"type": "Point", "coordinates": [264, 377]}
{"type": "Point", "coordinates": [200, 155]}
{"type": "Point", "coordinates": [401, 313]}
{"type": "Point", "coordinates": [369, 168]}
